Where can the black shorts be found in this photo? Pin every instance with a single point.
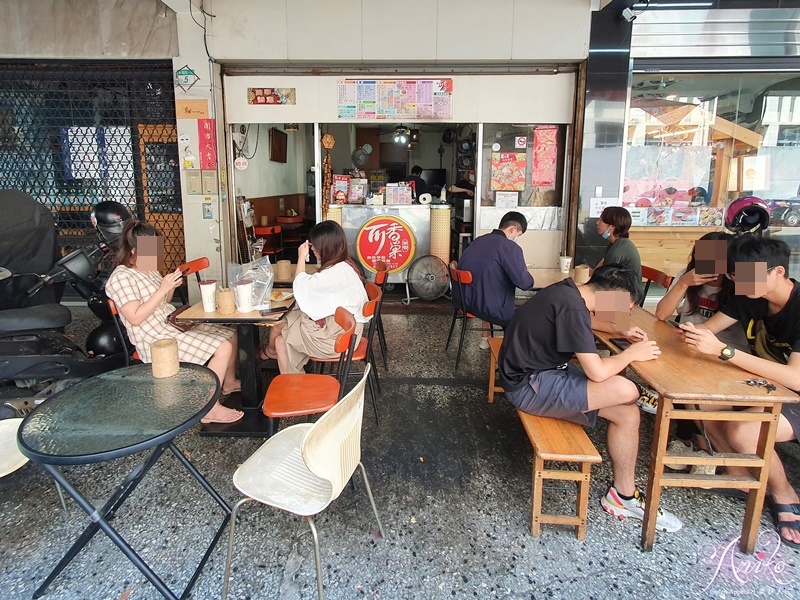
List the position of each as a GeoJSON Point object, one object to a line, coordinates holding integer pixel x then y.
{"type": "Point", "coordinates": [792, 414]}
{"type": "Point", "coordinates": [557, 393]}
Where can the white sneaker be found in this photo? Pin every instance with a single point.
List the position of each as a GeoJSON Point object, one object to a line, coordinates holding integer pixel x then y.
{"type": "Point", "coordinates": [484, 345]}
{"type": "Point", "coordinates": [648, 399]}
{"type": "Point", "coordinates": [634, 508]}
{"type": "Point", "coordinates": [703, 469]}
{"type": "Point", "coordinates": [677, 446]}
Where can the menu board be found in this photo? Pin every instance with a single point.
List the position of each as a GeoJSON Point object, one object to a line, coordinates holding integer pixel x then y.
{"type": "Point", "coordinates": [395, 99]}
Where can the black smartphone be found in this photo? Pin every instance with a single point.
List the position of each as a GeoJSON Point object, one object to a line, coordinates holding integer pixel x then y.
{"type": "Point", "coordinates": [185, 272]}
{"type": "Point", "coordinates": [273, 311]}
{"type": "Point", "coordinates": [621, 343]}
{"type": "Point", "coordinates": [675, 324]}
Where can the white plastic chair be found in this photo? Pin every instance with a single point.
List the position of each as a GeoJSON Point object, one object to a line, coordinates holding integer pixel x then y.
{"type": "Point", "coordinates": [304, 468]}
{"type": "Point", "coordinates": [11, 458]}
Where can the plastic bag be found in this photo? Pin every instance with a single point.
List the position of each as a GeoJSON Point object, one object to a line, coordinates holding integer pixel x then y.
{"type": "Point", "coordinates": [260, 271]}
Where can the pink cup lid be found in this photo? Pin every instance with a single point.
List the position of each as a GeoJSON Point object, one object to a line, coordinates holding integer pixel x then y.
{"type": "Point", "coordinates": [208, 281]}
{"type": "Point", "coordinates": [244, 282]}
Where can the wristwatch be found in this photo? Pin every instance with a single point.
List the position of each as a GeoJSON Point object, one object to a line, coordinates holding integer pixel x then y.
{"type": "Point", "coordinates": [727, 353]}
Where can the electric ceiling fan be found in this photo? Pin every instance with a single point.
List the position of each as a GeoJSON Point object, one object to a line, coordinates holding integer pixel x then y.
{"type": "Point", "coordinates": [400, 134]}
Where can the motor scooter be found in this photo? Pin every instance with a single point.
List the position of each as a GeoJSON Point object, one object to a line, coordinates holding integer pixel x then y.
{"type": "Point", "coordinates": [37, 358]}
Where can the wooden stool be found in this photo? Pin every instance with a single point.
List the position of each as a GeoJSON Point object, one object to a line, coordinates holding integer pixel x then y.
{"type": "Point", "coordinates": [553, 439]}
{"type": "Point", "coordinates": [494, 349]}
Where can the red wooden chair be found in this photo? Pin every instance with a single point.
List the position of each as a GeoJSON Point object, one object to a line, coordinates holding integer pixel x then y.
{"type": "Point", "coordinates": [193, 266]}
{"type": "Point", "coordinates": [649, 274]}
{"type": "Point", "coordinates": [294, 395]}
{"type": "Point", "coordinates": [460, 280]}
{"type": "Point", "coordinates": [381, 276]}
{"type": "Point", "coordinates": [122, 335]}
{"type": "Point", "coordinates": [273, 240]}
{"type": "Point", "coordinates": [363, 352]}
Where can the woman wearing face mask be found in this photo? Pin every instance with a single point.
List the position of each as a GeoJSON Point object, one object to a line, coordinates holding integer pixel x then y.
{"type": "Point", "coordinates": [613, 225]}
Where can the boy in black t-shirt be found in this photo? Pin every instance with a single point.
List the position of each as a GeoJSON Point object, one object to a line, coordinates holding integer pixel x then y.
{"type": "Point", "coordinates": [767, 305]}
{"type": "Point", "coordinates": [538, 378]}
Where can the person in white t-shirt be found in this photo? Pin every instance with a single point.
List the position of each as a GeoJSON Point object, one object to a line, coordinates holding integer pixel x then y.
{"type": "Point", "coordinates": [695, 298]}
{"type": "Point", "coordinates": [310, 329]}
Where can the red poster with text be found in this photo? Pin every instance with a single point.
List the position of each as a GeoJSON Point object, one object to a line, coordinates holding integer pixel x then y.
{"type": "Point", "coordinates": [207, 136]}
{"type": "Point", "coordinates": [388, 239]}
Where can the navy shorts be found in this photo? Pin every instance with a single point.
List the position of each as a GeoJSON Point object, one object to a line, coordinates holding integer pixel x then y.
{"type": "Point", "coordinates": [557, 393]}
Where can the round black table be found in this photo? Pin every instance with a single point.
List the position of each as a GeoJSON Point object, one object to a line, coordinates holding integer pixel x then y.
{"type": "Point", "coordinates": [110, 416]}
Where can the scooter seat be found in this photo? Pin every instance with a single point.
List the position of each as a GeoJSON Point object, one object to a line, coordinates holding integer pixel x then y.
{"type": "Point", "coordinates": [43, 316]}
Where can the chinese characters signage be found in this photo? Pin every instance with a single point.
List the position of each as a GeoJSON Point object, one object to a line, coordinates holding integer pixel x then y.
{"type": "Point", "coordinates": [386, 238]}
{"type": "Point", "coordinates": [207, 142]}
{"type": "Point", "coordinates": [395, 99]}
{"type": "Point", "coordinates": [545, 148]}
{"type": "Point", "coordinates": [508, 171]}
{"type": "Point", "coordinates": [271, 96]}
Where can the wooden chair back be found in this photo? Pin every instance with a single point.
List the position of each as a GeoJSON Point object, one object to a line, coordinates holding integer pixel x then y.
{"type": "Point", "coordinates": [649, 274]}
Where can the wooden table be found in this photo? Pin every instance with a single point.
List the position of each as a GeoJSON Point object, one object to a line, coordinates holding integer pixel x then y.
{"type": "Point", "coordinates": [683, 376]}
{"type": "Point", "coordinates": [247, 330]}
{"type": "Point", "coordinates": [543, 278]}
{"type": "Point", "coordinates": [311, 268]}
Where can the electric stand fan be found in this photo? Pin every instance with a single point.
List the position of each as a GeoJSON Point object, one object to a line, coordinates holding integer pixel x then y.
{"type": "Point", "coordinates": [426, 279]}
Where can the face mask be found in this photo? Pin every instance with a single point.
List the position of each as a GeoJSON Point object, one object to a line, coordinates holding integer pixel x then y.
{"type": "Point", "coordinates": [606, 234]}
{"type": "Point", "coordinates": [515, 240]}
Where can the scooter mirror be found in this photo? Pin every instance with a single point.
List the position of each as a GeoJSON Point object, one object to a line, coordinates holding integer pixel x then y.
{"type": "Point", "coordinates": [4, 273]}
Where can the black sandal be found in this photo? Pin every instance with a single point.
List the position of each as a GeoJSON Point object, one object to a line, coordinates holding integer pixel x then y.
{"type": "Point", "coordinates": [787, 508]}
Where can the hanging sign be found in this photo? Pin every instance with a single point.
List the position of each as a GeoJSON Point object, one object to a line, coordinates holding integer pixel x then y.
{"type": "Point", "coordinates": [520, 141]}
{"type": "Point", "coordinates": [241, 163]}
{"type": "Point", "coordinates": [207, 134]}
{"type": "Point", "coordinates": [271, 96]}
{"type": "Point", "coordinates": [545, 154]}
{"type": "Point", "coordinates": [386, 238]}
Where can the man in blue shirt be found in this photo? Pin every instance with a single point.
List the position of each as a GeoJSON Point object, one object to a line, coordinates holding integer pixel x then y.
{"type": "Point", "coordinates": [498, 267]}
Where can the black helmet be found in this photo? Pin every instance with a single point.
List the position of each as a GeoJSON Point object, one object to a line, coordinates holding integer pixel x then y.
{"type": "Point", "coordinates": [748, 214]}
{"type": "Point", "coordinates": [109, 218]}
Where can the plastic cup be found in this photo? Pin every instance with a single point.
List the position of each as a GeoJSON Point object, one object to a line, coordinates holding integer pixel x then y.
{"type": "Point", "coordinates": [208, 290]}
{"type": "Point", "coordinates": [243, 293]}
{"type": "Point", "coordinates": [564, 263]}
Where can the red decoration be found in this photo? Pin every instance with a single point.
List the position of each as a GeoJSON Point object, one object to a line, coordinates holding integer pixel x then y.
{"type": "Point", "coordinates": [207, 134]}
{"type": "Point", "coordinates": [386, 238]}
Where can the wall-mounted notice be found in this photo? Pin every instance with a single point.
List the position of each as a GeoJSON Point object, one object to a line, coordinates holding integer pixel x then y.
{"type": "Point", "coordinates": [395, 99]}
{"type": "Point", "coordinates": [596, 205]}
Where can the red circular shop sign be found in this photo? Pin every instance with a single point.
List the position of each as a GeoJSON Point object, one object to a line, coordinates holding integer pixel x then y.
{"type": "Point", "coordinates": [386, 238]}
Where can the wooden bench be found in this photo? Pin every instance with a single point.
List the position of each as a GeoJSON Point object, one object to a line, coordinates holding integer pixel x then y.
{"type": "Point", "coordinates": [556, 440]}
{"type": "Point", "coordinates": [494, 350]}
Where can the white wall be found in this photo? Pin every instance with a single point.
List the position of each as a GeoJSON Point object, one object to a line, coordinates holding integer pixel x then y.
{"type": "Point", "coordinates": [264, 177]}
{"type": "Point", "coordinates": [87, 29]}
{"type": "Point", "coordinates": [445, 31]}
{"type": "Point", "coordinates": [476, 99]}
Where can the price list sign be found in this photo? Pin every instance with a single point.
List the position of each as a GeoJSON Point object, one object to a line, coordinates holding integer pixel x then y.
{"type": "Point", "coordinates": [394, 99]}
